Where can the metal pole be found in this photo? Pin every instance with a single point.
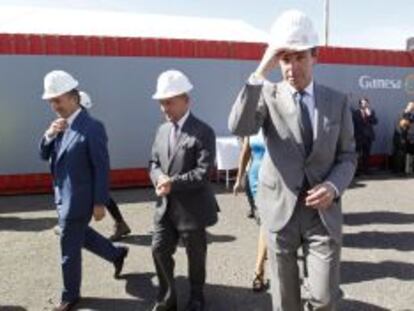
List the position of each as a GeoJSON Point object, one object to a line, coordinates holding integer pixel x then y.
{"type": "Point", "coordinates": [326, 18]}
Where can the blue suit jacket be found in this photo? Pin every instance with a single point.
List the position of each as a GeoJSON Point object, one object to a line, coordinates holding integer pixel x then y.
{"type": "Point", "coordinates": [80, 168]}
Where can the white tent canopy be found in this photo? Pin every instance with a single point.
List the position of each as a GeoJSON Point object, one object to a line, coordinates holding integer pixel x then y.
{"type": "Point", "coordinates": [18, 19]}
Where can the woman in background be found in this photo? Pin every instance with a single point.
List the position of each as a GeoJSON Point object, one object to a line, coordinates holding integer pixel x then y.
{"type": "Point", "coordinates": [251, 156]}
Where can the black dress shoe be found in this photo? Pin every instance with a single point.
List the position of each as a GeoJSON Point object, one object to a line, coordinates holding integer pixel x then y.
{"type": "Point", "coordinates": [119, 262]}
{"type": "Point", "coordinates": [162, 307]}
{"type": "Point", "coordinates": [121, 229]}
{"type": "Point", "coordinates": [195, 305]}
{"type": "Point", "coordinates": [65, 305]}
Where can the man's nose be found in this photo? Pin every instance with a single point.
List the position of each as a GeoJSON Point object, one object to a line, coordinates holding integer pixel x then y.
{"type": "Point", "coordinates": [294, 65]}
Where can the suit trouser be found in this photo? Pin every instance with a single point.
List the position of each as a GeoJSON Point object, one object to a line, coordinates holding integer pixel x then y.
{"type": "Point", "coordinates": [164, 245]}
{"type": "Point", "coordinates": [114, 210]}
{"type": "Point", "coordinates": [322, 260]}
{"type": "Point", "coordinates": [364, 151]}
{"type": "Point", "coordinates": [74, 236]}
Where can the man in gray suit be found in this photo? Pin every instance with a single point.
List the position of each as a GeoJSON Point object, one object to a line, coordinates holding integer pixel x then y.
{"type": "Point", "coordinates": [182, 155]}
{"type": "Point", "coordinates": [309, 163]}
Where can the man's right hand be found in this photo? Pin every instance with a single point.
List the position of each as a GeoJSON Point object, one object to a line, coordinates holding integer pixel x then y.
{"type": "Point", "coordinates": [56, 127]}
{"type": "Point", "coordinates": [163, 186]}
{"type": "Point", "coordinates": [268, 63]}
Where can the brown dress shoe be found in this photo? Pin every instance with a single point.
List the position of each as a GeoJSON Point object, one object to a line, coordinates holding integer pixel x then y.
{"type": "Point", "coordinates": [121, 229]}
{"type": "Point", "coordinates": [65, 305]}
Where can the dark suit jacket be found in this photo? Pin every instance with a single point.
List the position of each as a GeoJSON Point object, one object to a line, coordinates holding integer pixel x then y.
{"type": "Point", "coordinates": [191, 203]}
{"type": "Point", "coordinates": [80, 168]}
{"type": "Point", "coordinates": [364, 129]}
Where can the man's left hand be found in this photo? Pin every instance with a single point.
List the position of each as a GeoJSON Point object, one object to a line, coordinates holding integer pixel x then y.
{"type": "Point", "coordinates": [163, 186]}
{"type": "Point", "coordinates": [98, 212]}
{"type": "Point", "coordinates": [321, 196]}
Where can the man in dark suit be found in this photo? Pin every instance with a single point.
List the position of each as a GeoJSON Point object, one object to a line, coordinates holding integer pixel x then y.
{"type": "Point", "coordinates": [182, 155]}
{"type": "Point", "coordinates": [75, 145]}
{"type": "Point", "coordinates": [364, 120]}
{"type": "Point", "coordinates": [310, 161]}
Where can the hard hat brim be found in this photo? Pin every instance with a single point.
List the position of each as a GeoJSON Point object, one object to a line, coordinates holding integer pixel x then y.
{"type": "Point", "coordinates": [47, 96]}
{"type": "Point", "coordinates": [160, 96]}
{"type": "Point", "coordinates": [294, 48]}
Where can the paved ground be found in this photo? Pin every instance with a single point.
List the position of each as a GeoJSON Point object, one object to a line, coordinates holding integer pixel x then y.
{"type": "Point", "coordinates": [377, 269]}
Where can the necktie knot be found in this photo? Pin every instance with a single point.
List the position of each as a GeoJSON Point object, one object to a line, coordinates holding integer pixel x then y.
{"type": "Point", "coordinates": [299, 95]}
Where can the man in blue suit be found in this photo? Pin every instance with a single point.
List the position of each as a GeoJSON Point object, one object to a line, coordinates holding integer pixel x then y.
{"type": "Point", "coordinates": [75, 145]}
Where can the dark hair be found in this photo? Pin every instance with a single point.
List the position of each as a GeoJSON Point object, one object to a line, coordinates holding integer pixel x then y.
{"type": "Point", "coordinates": [314, 51]}
{"type": "Point", "coordinates": [74, 93]}
{"type": "Point", "coordinates": [363, 99]}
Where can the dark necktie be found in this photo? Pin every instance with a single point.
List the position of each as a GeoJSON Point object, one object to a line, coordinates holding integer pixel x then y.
{"type": "Point", "coordinates": [305, 122]}
{"type": "Point", "coordinates": [58, 141]}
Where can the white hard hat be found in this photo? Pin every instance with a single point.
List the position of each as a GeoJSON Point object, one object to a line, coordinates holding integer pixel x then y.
{"type": "Point", "coordinates": [85, 100]}
{"type": "Point", "coordinates": [58, 82]}
{"type": "Point", "coordinates": [293, 30]}
{"type": "Point", "coordinates": [172, 83]}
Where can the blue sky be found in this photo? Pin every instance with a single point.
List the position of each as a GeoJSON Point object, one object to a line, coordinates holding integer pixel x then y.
{"type": "Point", "coordinates": [353, 23]}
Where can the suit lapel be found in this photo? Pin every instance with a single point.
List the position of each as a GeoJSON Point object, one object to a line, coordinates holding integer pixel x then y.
{"type": "Point", "coordinates": [321, 101]}
{"type": "Point", "coordinates": [289, 112]}
{"type": "Point", "coordinates": [181, 139]}
{"type": "Point", "coordinates": [164, 143]}
{"type": "Point", "coordinates": [72, 133]}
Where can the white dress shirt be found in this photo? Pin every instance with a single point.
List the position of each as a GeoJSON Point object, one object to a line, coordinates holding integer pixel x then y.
{"type": "Point", "coordinates": [177, 133]}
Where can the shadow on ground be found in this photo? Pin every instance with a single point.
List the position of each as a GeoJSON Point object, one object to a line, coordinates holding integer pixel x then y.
{"type": "Point", "coordinates": [378, 217]}
{"type": "Point", "coordinates": [146, 239]}
{"type": "Point", "coordinates": [354, 305]}
{"type": "Point", "coordinates": [26, 224]}
{"type": "Point", "coordinates": [42, 202]}
{"type": "Point", "coordinates": [402, 241]}
{"type": "Point", "coordinates": [358, 271]}
{"type": "Point", "coordinates": [218, 298]}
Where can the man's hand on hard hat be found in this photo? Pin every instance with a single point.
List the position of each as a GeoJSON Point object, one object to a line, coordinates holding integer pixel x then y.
{"type": "Point", "coordinates": [57, 126]}
{"type": "Point", "coordinates": [270, 61]}
{"type": "Point", "coordinates": [163, 186]}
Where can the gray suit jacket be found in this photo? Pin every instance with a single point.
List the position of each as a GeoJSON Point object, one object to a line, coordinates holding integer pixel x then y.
{"type": "Point", "coordinates": [191, 203]}
{"type": "Point", "coordinates": [285, 165]}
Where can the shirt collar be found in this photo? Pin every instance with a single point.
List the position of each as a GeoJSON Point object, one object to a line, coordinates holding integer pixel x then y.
{"type": "Point", "coordinates": [309, 90]}
{"type": "Point", "coordinates": [184, 118]}
{"type": "Point", "coordinates": [72, 117]}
